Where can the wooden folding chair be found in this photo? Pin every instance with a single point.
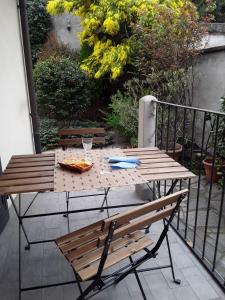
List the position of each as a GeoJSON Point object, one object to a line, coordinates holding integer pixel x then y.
{"type": "Point", "coordinates": [73, 137]}
{"type": "Point", "coordinates": [96, 247]}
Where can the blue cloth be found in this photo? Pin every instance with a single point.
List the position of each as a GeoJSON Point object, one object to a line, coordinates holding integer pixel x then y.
{"type": "Point", "coordinates": [124, 165]}
{"type": "Point", "coordinates": [127, 159]}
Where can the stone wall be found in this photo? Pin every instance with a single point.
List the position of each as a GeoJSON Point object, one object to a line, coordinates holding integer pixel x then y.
{"type": "Point", "coordinates": [61, 24]}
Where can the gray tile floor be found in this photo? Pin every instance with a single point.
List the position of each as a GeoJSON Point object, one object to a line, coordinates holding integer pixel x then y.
{"type": "Point", "coordinates": [43, 264]}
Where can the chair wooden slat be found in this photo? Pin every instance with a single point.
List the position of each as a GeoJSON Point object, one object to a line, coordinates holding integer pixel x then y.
{"type": "Point", "coordinates": [115, 257]}
{"type": "Point", "coordinates": [144, 209]}
{"type": "Point", "coordinates": [95, 255]}
{"type": "Point", "coordinates": [78, 233]}
{"type": "Point", "coordinates": [165, 170]}
{"type": "Point", "coordinates": [123, 230]}
{"type": "Point", "coordinates": [166, 176]}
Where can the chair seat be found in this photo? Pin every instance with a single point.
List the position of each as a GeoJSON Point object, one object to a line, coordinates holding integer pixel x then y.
{"type": "Point", "coordinates": [80, 249]}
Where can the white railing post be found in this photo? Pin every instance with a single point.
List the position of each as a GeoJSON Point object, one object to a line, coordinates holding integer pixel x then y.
{"type": "Point", "coordinates": [146, 135]}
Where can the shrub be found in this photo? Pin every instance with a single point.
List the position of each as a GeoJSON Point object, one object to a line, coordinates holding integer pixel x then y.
{"type": "Point", "coordinates": [39, 25]}
{"type": "Point", "coordinates": [63, 90]}
{"type": "Point", "coordinates": [49, 134]}
{"type": "Point", "coordinates": [107, 31]}
{"type": "Point", "coordinates": [124, 109]}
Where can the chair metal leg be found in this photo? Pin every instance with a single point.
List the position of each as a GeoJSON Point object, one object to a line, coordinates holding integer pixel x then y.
{"type": "Point", "coordinates": [176, 280]}
{"type": "Point", "coordinates": [138, 280]}
{"type": "Point", "coordinates": [87, 291]}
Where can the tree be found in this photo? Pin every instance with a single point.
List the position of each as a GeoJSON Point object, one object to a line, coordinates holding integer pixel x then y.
{"type": "Point", "coordinates": [107, 28]}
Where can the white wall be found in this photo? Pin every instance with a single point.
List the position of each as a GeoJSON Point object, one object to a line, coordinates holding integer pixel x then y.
{"type": "Point", "coordinates": [15, 124]}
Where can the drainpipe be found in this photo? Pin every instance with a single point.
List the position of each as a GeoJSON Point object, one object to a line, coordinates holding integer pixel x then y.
{"type": "Point", "coordinates": [28, 66]}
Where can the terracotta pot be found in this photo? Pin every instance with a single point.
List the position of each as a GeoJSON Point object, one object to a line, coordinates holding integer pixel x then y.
{"type": "Point", "coordinates": [175, 154]}
{"type": "Point", "coordinates": [212, 172]}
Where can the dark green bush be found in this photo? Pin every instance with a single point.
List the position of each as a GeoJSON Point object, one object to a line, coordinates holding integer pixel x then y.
{"type": "Point", "coordinates": [49, 134]}
{"type": "Point", "coordinates": [39, 25]}
{"type": "Point", "coordinates": [63, 89]}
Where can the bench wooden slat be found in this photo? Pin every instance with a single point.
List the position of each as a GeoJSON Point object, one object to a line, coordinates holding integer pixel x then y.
{"type": "Point", "coordinates": [81, 131]}
{"type": "Point", "coordinates": [140, 149]}
{"type": "Point", "coordinates": [29, 169]}
{"type": "Point", "coordinates": [78, 141]}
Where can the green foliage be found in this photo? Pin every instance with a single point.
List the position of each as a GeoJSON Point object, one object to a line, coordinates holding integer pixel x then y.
{"type": "Point", "coordinates": [211, 10]}
{"type": "Point", "coordinates": [39, 25]}
{"type": "Point", "coordinates": [62, 89]}
{"type": "Point", "coordinates": [124, 109]}
{"type": "Point", "coordinates": [49, 134]}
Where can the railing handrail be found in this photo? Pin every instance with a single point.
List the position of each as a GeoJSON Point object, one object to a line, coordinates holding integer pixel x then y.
{"type": "Point", "coordinates": [191, 107]}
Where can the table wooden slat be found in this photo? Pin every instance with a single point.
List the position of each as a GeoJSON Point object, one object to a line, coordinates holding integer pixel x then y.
{"type": "Point", "coordinates": [27, 175]}
{"type": "Point", "coordinates": [163, 171]}
{"type": "Point", "coordinates": [50, 154]}
{"type": "Point", "coordinates": [159, 165]}
{"type": "Point", "coordinates": [168, 176]}
{"type": "Point", "coordinates": [30, 164]}
{"type": "Point", "coordinates": [29, 169]}
{"type": "Point", "coordinates": [25, 181]}
{"type": "Point", "coordinates": [32, 159]}
{"type": "Point", "coordinates": [27, 188]}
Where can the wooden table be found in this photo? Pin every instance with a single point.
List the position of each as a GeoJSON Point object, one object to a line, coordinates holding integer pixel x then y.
{"type": "Point", "coordinates": [37, 173]}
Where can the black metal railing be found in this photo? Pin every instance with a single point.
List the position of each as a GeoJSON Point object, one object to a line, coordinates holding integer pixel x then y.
{"type": "Point", "coordinates": [196, 138]}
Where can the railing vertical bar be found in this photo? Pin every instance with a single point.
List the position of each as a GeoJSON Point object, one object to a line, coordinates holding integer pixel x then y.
{"type": "Point", "coordinates": [156, 125]}
{"type": "Point", "coordinates": [219, 224]}
{"type": "Point", "coordinates": [162, 125]}
{"type": "Point", "coordinates": [182, 158]}
{"type": "Point", "coordinates": [189, 181]}
{"type": "Point", "coordinates": [210, 189]}
{"type": "Point", "coordinates": [175, 132]}
{"type": "Point", "coordinates": [168, 126]}
{"type": "Point", "coordinates": [199, 178]}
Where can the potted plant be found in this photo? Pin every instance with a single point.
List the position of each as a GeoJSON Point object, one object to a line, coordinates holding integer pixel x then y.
{"type": "Point", "coordinates": [213, 169]}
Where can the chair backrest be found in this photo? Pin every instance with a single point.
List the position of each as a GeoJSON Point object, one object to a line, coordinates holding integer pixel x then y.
{"type": "Point", "coordinates": [130, 221]}
{"type": "Point", "coordinates": [73, 136]}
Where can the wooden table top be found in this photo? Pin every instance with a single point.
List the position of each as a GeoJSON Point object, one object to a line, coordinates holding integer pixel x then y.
{"type": "Point", "coordinates": [35, 172]}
